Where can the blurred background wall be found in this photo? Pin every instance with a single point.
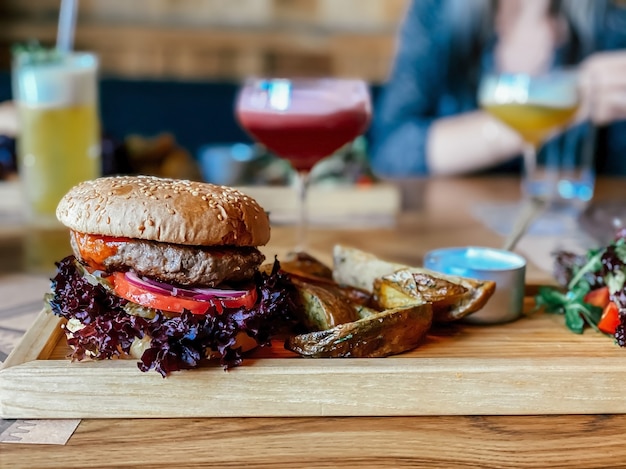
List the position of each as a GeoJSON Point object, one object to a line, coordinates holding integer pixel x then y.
{"type": "Point", "coordinates": [175, 65]}
{"type": "Point", "coordinates": [219, 39]}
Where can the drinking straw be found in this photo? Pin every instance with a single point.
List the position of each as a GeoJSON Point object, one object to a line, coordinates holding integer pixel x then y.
{"type": "Point", "coordinates": [67, 25]}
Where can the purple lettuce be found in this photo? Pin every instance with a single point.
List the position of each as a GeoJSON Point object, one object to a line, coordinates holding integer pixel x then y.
{"type": "Point", "coordinates": [176, 343]}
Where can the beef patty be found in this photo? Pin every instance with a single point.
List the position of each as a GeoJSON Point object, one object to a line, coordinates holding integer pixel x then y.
{"type": "Point", "coordinates": [184, 265]}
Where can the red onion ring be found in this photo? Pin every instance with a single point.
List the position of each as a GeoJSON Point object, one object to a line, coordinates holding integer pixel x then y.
{"type": "Point", "coordinates": [194, 293]}
{"type": "Point", "coordinates": [150, 286]}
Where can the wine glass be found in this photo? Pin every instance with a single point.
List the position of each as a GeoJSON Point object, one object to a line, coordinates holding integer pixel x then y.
{"type": "Point", "coordinates": [535, 106]}
{"type": "Point", "coordinates": [303, 120]}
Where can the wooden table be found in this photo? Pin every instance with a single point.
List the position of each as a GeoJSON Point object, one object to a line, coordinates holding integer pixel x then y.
{"type": "Point", "coordinates": [439, 216]}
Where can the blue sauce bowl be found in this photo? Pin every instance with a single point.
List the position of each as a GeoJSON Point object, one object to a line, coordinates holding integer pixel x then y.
{"type": "Point", "coordinates": [506, 268]}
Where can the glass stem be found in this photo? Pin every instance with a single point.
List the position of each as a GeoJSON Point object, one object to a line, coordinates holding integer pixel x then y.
{"type": "Point", "coordinates": [530, 170]}
{"type": "Point", "coordinates": [302, 185]}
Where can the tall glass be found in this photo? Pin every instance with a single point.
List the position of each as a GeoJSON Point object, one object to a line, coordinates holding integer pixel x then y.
{"type": "Point", "coordinates": [304, 121]}
{"type": "Point", "coordinates": [59, 137]}
{"type": "Point", "coordinates": [536, 107]}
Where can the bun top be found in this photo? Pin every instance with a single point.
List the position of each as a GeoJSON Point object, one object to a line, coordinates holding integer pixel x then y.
{"type": "Point", "coordinates": [165, 210]}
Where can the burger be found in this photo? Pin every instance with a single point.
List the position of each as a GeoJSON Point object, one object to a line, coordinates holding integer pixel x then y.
{"type": "Point", "coordinates": [167, 271]}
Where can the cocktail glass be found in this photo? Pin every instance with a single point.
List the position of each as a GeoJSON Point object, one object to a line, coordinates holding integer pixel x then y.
{"type": "Point", "coordinates": [535, 106]}
{"type": "Point", "coordinates": [303, 121]}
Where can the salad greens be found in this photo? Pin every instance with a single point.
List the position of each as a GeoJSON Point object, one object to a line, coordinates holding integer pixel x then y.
{"type": "Point", "coordinates": [592, 292]}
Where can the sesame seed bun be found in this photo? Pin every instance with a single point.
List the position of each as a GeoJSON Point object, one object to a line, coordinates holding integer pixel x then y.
{"type": "Point", "coordinates": [165, 210]}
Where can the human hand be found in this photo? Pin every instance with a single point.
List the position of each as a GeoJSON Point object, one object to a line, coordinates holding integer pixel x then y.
{"type": "Point", "coordinates": [603, 87]}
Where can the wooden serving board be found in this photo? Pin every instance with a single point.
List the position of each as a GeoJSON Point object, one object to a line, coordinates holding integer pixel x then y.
{"type": "Point", "coordinates": [532, 366]}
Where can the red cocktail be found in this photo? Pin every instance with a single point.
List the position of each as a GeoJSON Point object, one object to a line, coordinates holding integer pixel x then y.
{"type": "Point", "coordinates": [311, 123]}
{"type": "Point", "coordinates": [304, 120]}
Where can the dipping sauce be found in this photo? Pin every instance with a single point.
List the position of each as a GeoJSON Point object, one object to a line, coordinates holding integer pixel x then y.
{"type": "Point", "coordinates": [506, 268]}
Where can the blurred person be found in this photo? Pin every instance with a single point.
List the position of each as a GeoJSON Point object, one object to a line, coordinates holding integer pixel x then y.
{"type": "Point", "coordinates": [427, 119]}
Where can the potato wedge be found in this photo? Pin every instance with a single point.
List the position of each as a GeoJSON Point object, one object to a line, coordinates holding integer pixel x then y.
{"type": "Point", "coordinates": [397, 290]}
{"type": "Point", "coordinates": [359, 269]}
{"type": "Point", "coordinates": [323, 306]}
{"type": "Point", "coordinates": [452, 297]}
{"type": "Point", "coordinates": [387, 333]}
{"type": "Point", "coordinates": [399, 327]}
{"type": "Point", "coordinates": [303, 265]}
{"type": "Point", "coordinates": [306, 266]}
{"type": "Point", "coordinates": [374, 308]}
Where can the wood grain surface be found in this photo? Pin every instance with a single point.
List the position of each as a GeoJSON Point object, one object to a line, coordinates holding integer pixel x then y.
{"type": "Point", "coordinates": [440, 215]}
{"type": "Point", "coordinates": [530, 366]}
{"type": "Point", "coordinates": [594, 441]}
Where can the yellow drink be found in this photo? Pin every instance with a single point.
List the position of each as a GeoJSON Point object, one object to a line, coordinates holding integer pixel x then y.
{"type": "Point", "coordinates": [59, 140]}
{"type": "Point", "coordinates": [533, 122]}
{"type": "Point", "coordinates": [60, 149]}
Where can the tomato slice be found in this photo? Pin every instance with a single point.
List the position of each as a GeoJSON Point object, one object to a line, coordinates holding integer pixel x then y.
{"type": "Point", "coordinates": [177, 304]}
{"type": "Point", "coordinates": [610, 318]}
{"type": "Point", "coordinates": [598, 297]}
